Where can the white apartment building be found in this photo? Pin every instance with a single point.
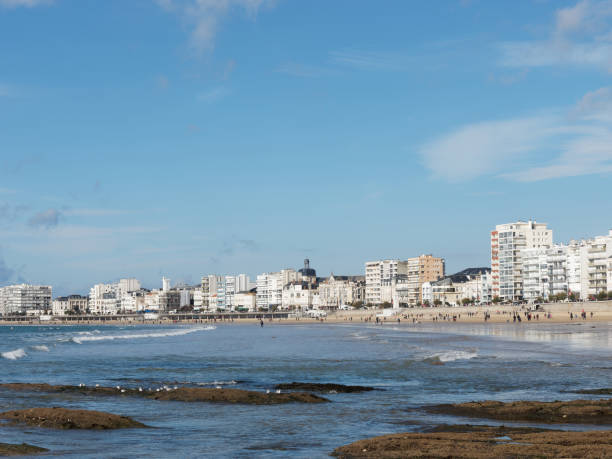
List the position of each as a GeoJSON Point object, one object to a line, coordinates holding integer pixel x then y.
{"type": "Point", "coordinates": [298, 295]}
{"type": "Point", "coordinates": [128, 285]}
{"type": "Point", "coordinates": [245, 301]}
{"type": "Point", "coordinates": [536, 281]}
{"type": "Point", "coordinates": [507, 242]}
{"type": "Point", "coordinates": [21, 298]}
{"type": "Point", "coordinates": [104, 299]}
{"type": "Point", "coordinates": [270, 287]}
{"type": "Point", "coordinates": [597, 256]}
{"type": "Point", "coordinates": [378, 277]}
{"type": "Point", "coordinates": [198, 298]}
{"type": "Point", "coordinates": [218, 292]}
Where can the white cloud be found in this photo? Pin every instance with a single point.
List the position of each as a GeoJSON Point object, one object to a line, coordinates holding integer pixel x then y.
{"type": "Point", "coordinates": [46, 219]}
{"type": "Point", "coordinates": [23, 3]}
{"type": "Point", "coordinates": [368, 59]}
{"type": "Point", "coordinates": [85, 212]}
{"type": "Point", "coordinates": [213, 95]}
{"type": "Point", "coordinates": [581, 36]}
{"type": "Point", "coordinates": [577, 141]}
{"type": "Point", "coordinates": [204, 16]}
{"type": "Point", "coordinates": [6, 90]}
{"type": "Point", "coordinates": [485, 147]}
{"type": "Point", "coordinates": [305, 71]}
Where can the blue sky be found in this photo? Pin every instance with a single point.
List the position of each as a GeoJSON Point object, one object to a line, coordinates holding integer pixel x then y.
{"type": "Point", "coordinates": [188, 137]}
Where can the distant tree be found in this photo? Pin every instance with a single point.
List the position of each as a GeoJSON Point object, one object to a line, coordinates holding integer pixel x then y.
{"type": "Point", "coordinates": [466, 301]}
{"type": "Point", "coordinates": [357, 304]}
{"type": "Point", "coordinates": [601, 296]}
{"type": "Point", "coordinates": [496, 300]}
{"type": "Point", "coordinates": [437, 302]}
{"type": "Point", "coordinates": [562, 296]}
{"type": "Point", "coordinates": [610, 295]}
{"type": "Point", "coordinates": [387, 305]}
{"type": "Point", "coordinates": [573, 297]}
{"type": "Point", "coordinates": [426, 303]}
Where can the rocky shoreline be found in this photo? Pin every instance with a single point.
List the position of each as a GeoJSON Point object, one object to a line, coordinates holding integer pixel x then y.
{"type": "Point", "coordinates": [323, 387]}
{"type": "Point", "coordinates": [482, 442]}
{"type": "Point", "coordinates": [62, 418]}
{"type": "Point", "coordinates": [182, 394]}
{"type": "Point", "coordinates": [569, 412]}
{"type": "Point", "coordinates": [8, 449]}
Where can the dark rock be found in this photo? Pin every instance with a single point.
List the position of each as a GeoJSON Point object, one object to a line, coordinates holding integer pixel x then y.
{"type": "Point", "coordinates": [323, 387]}
{"type": "Point", "coordinates": [482, 442]}
{"type": "Point", "coordinates": [62, 418]}
{"type": "Point", "coordinates": [571, 412]}
{"type": "Point", "coordinates": [6, 449]}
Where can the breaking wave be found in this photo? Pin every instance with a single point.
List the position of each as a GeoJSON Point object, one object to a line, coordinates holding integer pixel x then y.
{"type": "Point", "coordinates": [451, 356]}
{"type": "Point", "coordinates": [41, 348]}
{"type": "Point", "coordinates": [218, 383]}
{"type": "Point", "coordinates": [86, 338]}
{"type": "Point", "coordinates": [14, 355]}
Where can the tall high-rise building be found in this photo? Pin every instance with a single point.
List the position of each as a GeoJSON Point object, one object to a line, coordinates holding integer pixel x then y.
{"type": "Point", "coordinates": [16, 299]}
{"type": "Point", "coordinates": [507, 242]}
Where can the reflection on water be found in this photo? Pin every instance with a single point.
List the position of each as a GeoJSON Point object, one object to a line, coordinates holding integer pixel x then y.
{"type": "Point", "coordinates": [414, 365]}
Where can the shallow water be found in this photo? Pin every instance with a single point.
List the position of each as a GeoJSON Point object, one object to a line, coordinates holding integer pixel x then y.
{"type": "Point", "coordinates": [416, 365]}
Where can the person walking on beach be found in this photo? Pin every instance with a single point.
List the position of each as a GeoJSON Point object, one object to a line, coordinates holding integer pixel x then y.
{"type": "Point", "coordinates": [261, 322]}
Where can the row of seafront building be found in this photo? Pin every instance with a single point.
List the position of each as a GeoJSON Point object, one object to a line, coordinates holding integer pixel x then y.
{"type": "Point", "coordinates": [526, 265]}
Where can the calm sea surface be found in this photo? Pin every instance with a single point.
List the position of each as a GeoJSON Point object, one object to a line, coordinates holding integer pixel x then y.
{"type": "Point", "coordinates": [480, 361]}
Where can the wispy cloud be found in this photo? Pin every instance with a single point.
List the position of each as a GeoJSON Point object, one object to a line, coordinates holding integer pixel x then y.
{"type": "Point", "coordinates": [162, 82]}
{"type": "Point", "coordinates": [6, 90]}
{"type": "Point", "coordinates": [9, 212]}
{"type": "Point", "coordinates": [576, 141]}
{"type": "Point", "coordinates": [580, 36]}
{"type": "Point", "coordinates": [213, 95]}
{"type": "Point", "coordinates": [369, 59]}
{"type": "Point", "coordinates": [46, 219]}
{"type": "Point", "coordinates": [204, 16]}
{"type": "Point", "coordinates": [305, 71]}
{"type": "Point", "coordinates": [92, 212]}
{"type": "Point", "coordinates": [23, 3]}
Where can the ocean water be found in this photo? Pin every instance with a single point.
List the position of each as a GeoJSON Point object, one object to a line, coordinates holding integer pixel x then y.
{"type": "Point", "coordinates": [414, 365]}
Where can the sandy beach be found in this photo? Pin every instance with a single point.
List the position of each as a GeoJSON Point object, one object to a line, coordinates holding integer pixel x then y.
{"type": "Point", "coordinates": [595, 311]}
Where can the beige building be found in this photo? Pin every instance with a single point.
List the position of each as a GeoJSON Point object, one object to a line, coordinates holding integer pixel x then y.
{"type": "Point", "coordinates": [336, 291]}
{"type": "Point", "coordinates": [399, 282]}
{"type": "Point", "coordinates": [76, 304]}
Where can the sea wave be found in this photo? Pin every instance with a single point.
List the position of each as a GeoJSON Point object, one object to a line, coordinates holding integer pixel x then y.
{"type": "Point", "coordinates": [218, 383]}
{"type": "Point", "coordinates": [451, 356]}
{"type": "Point", "coordinates": [162, 334]}
{"type": "Point", "coordinates": [40, 347]}
{"type": "Point", "coordinates": [14, 355]}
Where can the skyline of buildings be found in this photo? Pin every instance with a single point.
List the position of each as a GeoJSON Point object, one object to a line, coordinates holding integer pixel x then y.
{"type": "Point", "coordinates": [526, 265]}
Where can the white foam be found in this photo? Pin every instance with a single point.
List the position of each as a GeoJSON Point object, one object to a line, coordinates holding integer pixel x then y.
{"type": "Point", "coordinates": [218, 383]}
{"type": "Point", "coordinates": [41, 348]}
{"type": "Point", "coordinates": [82, 339]}
{"type": "Point", "coordinates": [14, 355]}
{"type": "Point", "coordinates": [451, 356]}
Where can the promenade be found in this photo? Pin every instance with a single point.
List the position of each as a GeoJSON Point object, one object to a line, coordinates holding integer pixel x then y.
{"type": "Point", "coordinates": [595, 311]}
